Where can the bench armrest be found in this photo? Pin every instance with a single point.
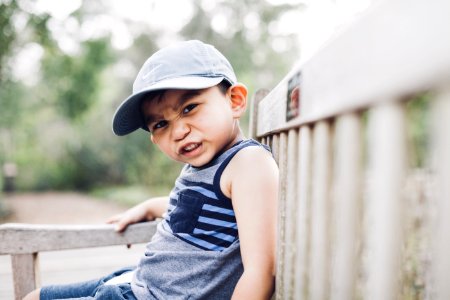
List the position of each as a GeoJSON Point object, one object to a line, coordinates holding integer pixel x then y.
{"type": "Point", "coordinates": [24, 242]}
{"type": "Point", "coordinates": [28, 238]}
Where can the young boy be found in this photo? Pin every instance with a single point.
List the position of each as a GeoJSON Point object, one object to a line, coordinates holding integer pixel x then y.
{"type": "Point", "coordinates": [217, 236]}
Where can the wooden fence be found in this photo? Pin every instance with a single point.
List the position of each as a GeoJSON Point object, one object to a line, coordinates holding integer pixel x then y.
{"type": "Point", "coordinates": [361, 136]}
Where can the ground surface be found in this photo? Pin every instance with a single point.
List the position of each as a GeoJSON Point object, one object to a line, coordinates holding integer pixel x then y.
{"type": "Point", "coordinates": [59, 208]}
{"type": "Point", "coordinates": [70, 265]}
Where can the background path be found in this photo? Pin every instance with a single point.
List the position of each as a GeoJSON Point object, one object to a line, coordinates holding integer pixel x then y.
{"type": "Point", "coordinates": [69, 265]}
{"type": "Point", "coordinates": [59, 208]}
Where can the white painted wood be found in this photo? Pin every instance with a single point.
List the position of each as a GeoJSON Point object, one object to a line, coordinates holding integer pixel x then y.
{"type": "Point", "coordinates": [384, 235]}
{"type": "Point", "coordinates": [320, 213]}
{"type": "Point", "coordinates": [69, 266]}
{"type": "Point", "coordinates": [26, 238]}
{"type": "Point", "coordinates": [397, 48]}
{"type": "Point", "coordinates": [257, 97]}
{"type": "Point", "coordinates": [281, 239]}
{"type": "Point", "coordinates": [290, 214]}
{"type": "Point", "coordinates": [303, 214]}
{"type": "Point", "coordinates": [347, 206]}
{"type": "Point", "coordinates": [440, 289]}
{"type": "Point", "coordinates": [275, 145]}
{"type": "Point", "coordinates": [25, 273]}
{"type": "Point", "coordinates": [24, 241]}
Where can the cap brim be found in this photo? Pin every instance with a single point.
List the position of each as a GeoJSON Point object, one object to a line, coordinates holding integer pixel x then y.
{"type": "Point", "coordinates": [127, 117]}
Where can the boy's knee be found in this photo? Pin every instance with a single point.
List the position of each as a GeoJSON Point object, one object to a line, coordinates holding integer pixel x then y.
{"type": "Point", "coordinates": [34, 295]}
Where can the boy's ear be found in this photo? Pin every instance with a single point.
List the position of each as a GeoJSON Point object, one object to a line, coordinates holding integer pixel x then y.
{"type": "Point", "coordinates": [238, 99]}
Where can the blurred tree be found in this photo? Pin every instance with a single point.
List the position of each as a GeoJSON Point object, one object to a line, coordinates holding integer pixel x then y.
{"type": "Point", "coordinates": [7, 37]}
{"type": "Point", "coordinates": [74, 81]}
{"type": "Point", "coordinates": [7, 87]}
{"type": "Point", "coordinates": [241, 30]}
{"type": "Point", "coordinates": [7, 34]}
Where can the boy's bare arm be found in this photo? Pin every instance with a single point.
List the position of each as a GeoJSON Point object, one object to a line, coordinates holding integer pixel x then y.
{"type": "Point", "coordinates": [254, 190]}
{"type": "Point", "coordinates": [146, 211]}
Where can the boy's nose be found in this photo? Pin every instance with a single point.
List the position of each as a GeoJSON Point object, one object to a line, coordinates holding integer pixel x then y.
{"type": "Point", "coordinates": [180, 130]}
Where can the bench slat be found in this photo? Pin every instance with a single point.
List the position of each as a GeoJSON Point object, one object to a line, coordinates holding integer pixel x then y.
{"type": "Point", "coordinates": [347, 194]}
{"type": "Point", "coordinates": [320, 212]}
{"type": "Point", "coordinates": [303, 213]}
{"type": "Point", "coordinates": [385, 210]}
{"type": "Point", "coordinates": [280, 144]}
{"type": "Point", "coordinates": [59, 237]}
{"type": "Point", "coordinates": [441, 160]}
{"type": "Point", "coordinates": [290, 216]}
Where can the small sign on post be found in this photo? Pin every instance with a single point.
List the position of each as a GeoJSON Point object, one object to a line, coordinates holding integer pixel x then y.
{"type": "Point", "coordinates": [293, 97]}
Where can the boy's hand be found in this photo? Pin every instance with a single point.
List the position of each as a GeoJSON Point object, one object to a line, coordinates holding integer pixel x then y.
{"type": "Point", "coordinates": [131, 216]}
{"type": "Point", "coordinates": [145, 211]}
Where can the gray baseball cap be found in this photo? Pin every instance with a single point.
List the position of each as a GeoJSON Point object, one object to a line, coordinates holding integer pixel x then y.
{"type": "Point", "coordinates": [184, 65]}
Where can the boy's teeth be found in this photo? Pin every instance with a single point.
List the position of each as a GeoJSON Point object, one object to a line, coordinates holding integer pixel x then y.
{"type": "Point", "coordinates": [190, 147]}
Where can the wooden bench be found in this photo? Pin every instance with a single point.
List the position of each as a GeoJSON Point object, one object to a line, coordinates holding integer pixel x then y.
{"type": "Point", "coordinates": [24, 242]}
{"type": "Point", "coordinates": [357, 220]}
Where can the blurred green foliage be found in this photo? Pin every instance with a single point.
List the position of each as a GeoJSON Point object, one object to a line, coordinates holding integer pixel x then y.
{"type": "Point", "coordinates": [57, 126]}
{"type": "Point", "coordinates": [418, 114]}
{"type": "Point", "coordinates": [75, 80]}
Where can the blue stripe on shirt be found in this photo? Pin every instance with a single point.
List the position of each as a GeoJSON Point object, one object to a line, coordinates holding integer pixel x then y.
{"type": "Point", "coordinates": [200, 242]}
{"type": "Point", "coordinates": [198, 189]}
{"type": "Point", "coordinates": [219, 235]}
{"type": "Point", "coordinates": [218, 209]}
{"type": "Point", "coordinates": [217, 222]}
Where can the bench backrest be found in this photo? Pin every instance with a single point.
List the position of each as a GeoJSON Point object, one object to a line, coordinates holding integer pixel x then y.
{"type": "Point", "coordinates": [358, 218]}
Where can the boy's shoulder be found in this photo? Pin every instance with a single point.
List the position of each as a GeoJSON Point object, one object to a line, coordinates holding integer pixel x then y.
{"type": "Point", "coordinates": [254, 157]}
{"type": "Point", "coordinates": [253, 164]}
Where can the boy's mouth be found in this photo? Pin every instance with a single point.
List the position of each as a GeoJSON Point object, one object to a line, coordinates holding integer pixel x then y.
{"type": "Point", "coordinates": [189, 148]}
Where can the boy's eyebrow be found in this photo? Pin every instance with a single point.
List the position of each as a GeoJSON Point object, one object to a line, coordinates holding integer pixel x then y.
{"type": "Point", "coordinates": [189, 94]}
{"type": "Point", "coordinates": [150, 118]}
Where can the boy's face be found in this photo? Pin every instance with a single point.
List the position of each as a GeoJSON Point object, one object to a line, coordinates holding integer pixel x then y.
{"type": "Point", "coordinates": [192, 126]}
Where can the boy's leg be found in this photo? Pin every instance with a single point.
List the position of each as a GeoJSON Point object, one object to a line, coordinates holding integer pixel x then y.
{"type": "Point", "coordinates": [69, 291]}
{"type": "Point", "coordinates": [119, 292]}
{"type": "Point", "coordinates": [85, 289]}
{"type": "Point", "coordinates": [107, 292]}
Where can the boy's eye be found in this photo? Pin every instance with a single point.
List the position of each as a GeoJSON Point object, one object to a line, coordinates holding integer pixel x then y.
{"type": "Point", "coordinates": [158, 125]}
{"type": "Point", "coordinates": [189, 107]}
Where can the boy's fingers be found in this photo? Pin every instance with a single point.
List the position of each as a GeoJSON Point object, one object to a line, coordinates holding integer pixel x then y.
{"type": "Point", "coordinates": [113, 219]}
{"type": "Point", "coordinates": [121, 225]}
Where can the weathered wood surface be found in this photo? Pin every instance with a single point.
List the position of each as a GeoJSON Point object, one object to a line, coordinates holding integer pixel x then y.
{"type": "Point", "coordinates": [441, 163]}
{"type": "Point", "coordinates": [24, 242]}
{"type": "Point", "coordinates": [69, 266]}
{"type": "Point", "coordinates": [26, 238]}
{"type": "Point", "coordinates": [385, 207]}
{"type": "Point", "coordinates": [358, 219]}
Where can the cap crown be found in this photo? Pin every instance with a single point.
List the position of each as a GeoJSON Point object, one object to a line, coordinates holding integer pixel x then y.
{"type": "Point", "coordinates": [184, 59]}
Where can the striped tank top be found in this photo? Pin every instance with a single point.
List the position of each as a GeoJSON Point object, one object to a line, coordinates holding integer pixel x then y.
{"type": "Point", "coordinates": [199, 213]}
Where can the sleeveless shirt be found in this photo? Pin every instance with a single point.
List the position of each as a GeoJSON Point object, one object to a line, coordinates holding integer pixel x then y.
{"type": "Point", "coordinates": [195, 253]}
